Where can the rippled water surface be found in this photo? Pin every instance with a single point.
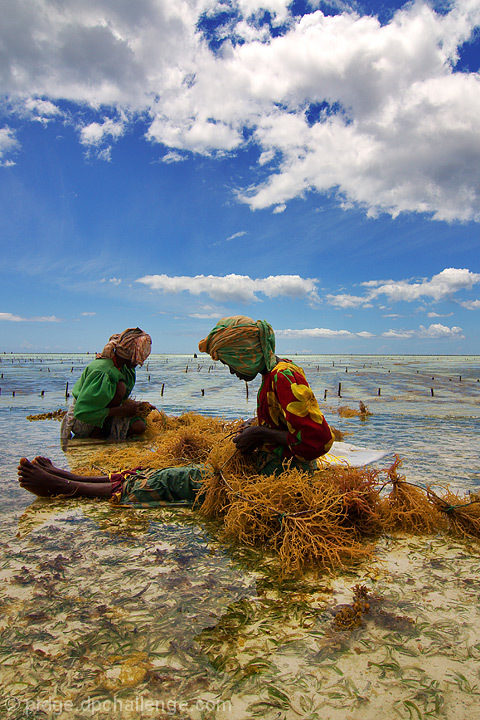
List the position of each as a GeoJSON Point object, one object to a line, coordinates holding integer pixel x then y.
{"type": "Point", "coordinates": [144, 614]}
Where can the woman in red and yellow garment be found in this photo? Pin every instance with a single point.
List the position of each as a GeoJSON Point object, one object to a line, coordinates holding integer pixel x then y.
{"type": "Point", "coordinates": [291, 426]}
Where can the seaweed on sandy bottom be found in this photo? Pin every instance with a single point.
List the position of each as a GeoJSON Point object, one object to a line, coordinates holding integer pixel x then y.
{"type": "Point", "coordinates": [327, 520]}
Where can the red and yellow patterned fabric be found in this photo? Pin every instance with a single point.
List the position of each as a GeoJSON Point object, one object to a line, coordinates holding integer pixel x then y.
{"type": "Point", "coordinates": [286, 402]}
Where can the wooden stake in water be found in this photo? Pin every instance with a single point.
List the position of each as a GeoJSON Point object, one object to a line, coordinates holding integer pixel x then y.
{"type": "Point", "coordinates": [246, 388]}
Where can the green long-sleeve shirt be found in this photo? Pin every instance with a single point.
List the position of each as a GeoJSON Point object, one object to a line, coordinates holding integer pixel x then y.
{"type": "Point", "coordinates": [96, 387]}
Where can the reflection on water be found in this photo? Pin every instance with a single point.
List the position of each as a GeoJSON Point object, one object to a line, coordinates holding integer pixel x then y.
{"type": "Point", "coordinates": [143, 614]}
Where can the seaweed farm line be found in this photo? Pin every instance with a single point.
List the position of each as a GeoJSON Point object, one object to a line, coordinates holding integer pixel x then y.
{"type": "Point", "coordinates": [136, 614]}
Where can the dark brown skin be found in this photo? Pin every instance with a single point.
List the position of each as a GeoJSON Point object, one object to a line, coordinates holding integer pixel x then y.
{"type": "Point", "coordinates": [255, 436]}
{"type": "Point", "coordinates": [250, 437]}
{"type": "Point", "coordinates": [42, 478]}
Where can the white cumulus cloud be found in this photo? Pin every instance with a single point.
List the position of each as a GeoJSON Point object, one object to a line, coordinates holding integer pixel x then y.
{"type": "Point", "coordinates": [344, 300]}
{"type": "Point", "coordinates": [471, 304]}
{"type": "Point", "coordinates": [235, 288]}
{"type": "Point", "coordinates": [434, 331]}
{"type": "Point", "coordinates": [173, 157]}
{"type": "Point", "coordinates": [437, 330]}
{"type": "Point", "coordinates": [441, 286]}
{"type": "Point", "coordinates": [95, 132]}
{"type": "Point", "coordinates": [445, 284]}
{"type": "Point", "coordinates": [8, 143]}
{"type": "Point", "coordinates": [337, 103]}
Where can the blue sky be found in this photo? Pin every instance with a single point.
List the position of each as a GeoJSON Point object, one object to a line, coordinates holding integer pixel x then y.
{"type": "Point", "coordinates": [165, 163]}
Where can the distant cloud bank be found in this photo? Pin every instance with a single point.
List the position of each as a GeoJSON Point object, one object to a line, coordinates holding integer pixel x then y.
{"type": "Point", "coordinates": [244, 289]}
{"type": "Point", "coordinates": [381, 115]}
{"type": "Point", "coordinates": [434, 331]}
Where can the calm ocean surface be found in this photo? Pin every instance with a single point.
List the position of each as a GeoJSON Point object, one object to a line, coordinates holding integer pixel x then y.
{"type": "Point", "coordinates": [436, 435]}
{"type": "Point", "coordinates": [128, 615]}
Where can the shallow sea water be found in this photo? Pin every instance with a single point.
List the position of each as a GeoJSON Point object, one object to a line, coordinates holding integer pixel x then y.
{"type": "Point", "coordinates": [144, 614]}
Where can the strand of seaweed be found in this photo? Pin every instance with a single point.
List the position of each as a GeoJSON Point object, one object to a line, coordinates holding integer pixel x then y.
{"type": "Point", "coordinates": [326, 520]}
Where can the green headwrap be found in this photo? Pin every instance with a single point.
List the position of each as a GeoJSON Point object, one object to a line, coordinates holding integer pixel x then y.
{"type": "Point", "coordinates": [245, 345]}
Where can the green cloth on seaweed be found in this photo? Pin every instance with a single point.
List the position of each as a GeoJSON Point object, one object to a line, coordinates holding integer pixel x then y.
{"type": "Point", "coordinates": [96, 387]}
{"type": "Point", "coordinates": [151, 488]}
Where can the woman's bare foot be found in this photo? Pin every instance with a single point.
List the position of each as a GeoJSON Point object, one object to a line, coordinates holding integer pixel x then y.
{"type": "Point", "coordinates": [47, 465]}
{"type": "Point", "coordinates": [40, 481]}
{"type": "Point", "coordinates": [36, 478]}
{"type": "Point", "coordinates": [44, 462]}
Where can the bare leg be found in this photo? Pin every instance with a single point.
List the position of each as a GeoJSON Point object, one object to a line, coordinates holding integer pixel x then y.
{"type": "Point", "coordinates": [43, 483]}
{"type": "Point", "coordinates": [138, 427]}
{"type": "Point", "coordinates": [47, 465]}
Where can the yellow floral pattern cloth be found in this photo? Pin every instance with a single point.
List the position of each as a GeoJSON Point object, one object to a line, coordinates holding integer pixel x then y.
{"type": "Point", "coordinates": [286, 402]}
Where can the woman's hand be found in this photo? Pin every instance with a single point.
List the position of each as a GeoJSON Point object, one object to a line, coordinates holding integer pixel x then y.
{"type": "Point", "coordinates": [250, 438]}
{"type": "Point", "coordinates": [130, 408]}
{"type": "Point", "coordinates": [245, 424]}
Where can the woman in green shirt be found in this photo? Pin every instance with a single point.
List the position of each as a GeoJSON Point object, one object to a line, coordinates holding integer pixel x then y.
{"type": "Point", "coordinates": [99, 409]}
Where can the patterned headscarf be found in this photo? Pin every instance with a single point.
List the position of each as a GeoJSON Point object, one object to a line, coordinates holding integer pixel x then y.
{"type": "Point", "coordinates": [245, 345]}
{"type": "Point", "coordinates": [132, 344]}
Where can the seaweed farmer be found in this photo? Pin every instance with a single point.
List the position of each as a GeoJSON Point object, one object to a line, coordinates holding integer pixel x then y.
{"type": "Point", "coordinates": [289, 425]}
{"type": "Point", "coordinates": [291, 429]}
{"type": "Point", "coordinates": [99, 408]}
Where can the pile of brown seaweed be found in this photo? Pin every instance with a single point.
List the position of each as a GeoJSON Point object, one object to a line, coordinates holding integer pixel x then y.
{"type": "Point", "coordinates": [55, 415]}
{"type": "Point", "coordinates": [346, 412]}
{"type": "Point", "coordinates": [326, 520]}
